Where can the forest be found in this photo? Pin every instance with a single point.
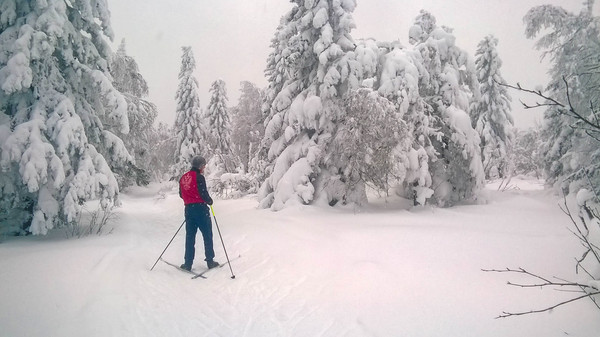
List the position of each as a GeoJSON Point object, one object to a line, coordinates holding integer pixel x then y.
{"type": "Point", "coordinates": [339, 118]}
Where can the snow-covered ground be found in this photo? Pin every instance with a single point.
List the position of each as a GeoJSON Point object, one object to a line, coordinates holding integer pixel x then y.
{"type": "Point", "coordinates": [385, 270]}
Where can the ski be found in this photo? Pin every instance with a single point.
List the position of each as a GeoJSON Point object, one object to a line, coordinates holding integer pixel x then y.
{"type": "Point", "coordinates": [183, 270]}
{"type": "Point", "coordinates": [220, 266]}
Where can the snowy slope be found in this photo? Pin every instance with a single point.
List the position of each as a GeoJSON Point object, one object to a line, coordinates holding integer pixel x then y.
{"type": "Point", "coordinates": [381, 271]}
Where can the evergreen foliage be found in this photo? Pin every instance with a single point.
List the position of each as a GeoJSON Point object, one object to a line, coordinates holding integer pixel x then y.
{"type": "Point", "coordinates": [448, 84]}
{"type": "Point", "coordinates": [188, 128]}
{"type": "Point", "coordinates": [314, 70]}
{"type": "Point", "coordinates": [218, 126]}
{"type": "Point", "coordinates": [222, 162]}
{"type": "Point", "coordinates": [491, 114]}
{"type": "Point", "coordinates": [59, 113]}
{"type": "Point", "coordinates": [310, 129]}
{"type": "Point", "coordinates": [141, 114]}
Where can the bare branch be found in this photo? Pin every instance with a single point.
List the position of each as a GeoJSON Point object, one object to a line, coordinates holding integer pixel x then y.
{"type": "Point", "coordinates": [587, 290]}
{"type": "Point", "coordinates": [535, 92]}
{"type": "Point", "coordinates": [553, 102]}
{"type": "Point", "coordinates": [546, 283]}
{"type": "Point", "coordinates": [573, 111]}
{"type": "Point", "coordinates": [509, 314]}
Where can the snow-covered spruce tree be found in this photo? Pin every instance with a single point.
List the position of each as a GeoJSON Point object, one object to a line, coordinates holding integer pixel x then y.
{"type": "Point", "coordinates": [448, 83]}
{"type": "Point", "coordinates": [188, 127]}
{"type": "Point", "coordinates": [491, 115]}
{"type": "Point", "coordinates": [317, 70]}
{"type": "Point", "coordinates": [572, 42]}
{"type": "Point", "coordinates": [278, 61]}
{"type": "Point", "coordinates": [247, 122]}
{"type": "Point", "coordinates": [57, 107]}
{"type": "Point", "coordinates": [141, 114]}
{"type": "Point", "coordinates": [218, 125]}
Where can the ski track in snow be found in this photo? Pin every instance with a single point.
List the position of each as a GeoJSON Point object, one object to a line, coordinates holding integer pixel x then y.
{"type": "Point", "coordinates": [305, 271]}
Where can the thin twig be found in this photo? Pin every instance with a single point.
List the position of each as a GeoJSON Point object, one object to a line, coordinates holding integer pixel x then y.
{"type": "Point", "coordinates": [509, 314]}
{"type": "Point", "coordinates": [553, 102]}
{"type": "Point", "coordinates": [546, 283]}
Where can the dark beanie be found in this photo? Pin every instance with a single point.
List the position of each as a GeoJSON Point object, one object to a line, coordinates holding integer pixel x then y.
{"type": "Point", "coordinates": [198, 162]}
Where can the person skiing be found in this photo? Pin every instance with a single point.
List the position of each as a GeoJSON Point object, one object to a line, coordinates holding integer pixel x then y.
{"type": "Point", "coordinates": [193, 191]}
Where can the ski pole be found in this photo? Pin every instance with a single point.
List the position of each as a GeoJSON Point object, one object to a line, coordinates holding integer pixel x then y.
{"type": "Point", "coordinates": [168, 244]}
{"type": "Point", "coordinates": [220, 236]}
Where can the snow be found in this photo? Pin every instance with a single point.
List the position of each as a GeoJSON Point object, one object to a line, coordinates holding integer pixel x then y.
{"type": "Point", "coordinates": [19, 74]}
{"type": "Point", "coordinates": [320, 18]}
{"type": "Point", "coordinates": [583, 196]}
{"type": "Point", "coordinates": [384, 270]}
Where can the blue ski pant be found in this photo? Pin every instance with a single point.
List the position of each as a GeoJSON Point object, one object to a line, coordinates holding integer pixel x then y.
{"type": "Point", "coordinates": [197, 217]}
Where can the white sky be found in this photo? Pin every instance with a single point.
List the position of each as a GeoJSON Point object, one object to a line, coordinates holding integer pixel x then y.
{"type": "Point", "coordinates": [231, 39]}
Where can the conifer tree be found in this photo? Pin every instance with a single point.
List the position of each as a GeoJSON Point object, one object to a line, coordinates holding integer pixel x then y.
{"type": "Point", "coordinates": [218, 122]}
{"type": "Point", "coordinates": [218, 125]}
{"type": "Point", "coordinates": [141, 114]}
{"type": "Point", "coordinates": [447, 84]}
{"type": "Point", "coordinates": [307, 84]}
{"type": "Point", "coordinates": [278, 61]}
{"type": "Point", "coordinates": [222, 163]}
{"type": "Point", "coordinates": [188, 127]}
{"type": "Point", "coordinates": [58, 113]}
{"type": "Point", "coordinates": [491, 113]}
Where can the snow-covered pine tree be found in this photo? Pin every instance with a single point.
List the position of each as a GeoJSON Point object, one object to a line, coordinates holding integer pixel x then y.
{"type": "Point", "coordinates": [491, 115]}
{"type": "Point", "coordinates": [141, 114]}
{"type": "Point", "coordinates": [57, 107]}
{"type": "Point", "coordinates": [447, 83]}
{"type": "Point", "coordinates": [572, 42]}
{"type": "Point", "coordinates": [188, 127]}
{"type": "Point", "coordinates": [318, 67]}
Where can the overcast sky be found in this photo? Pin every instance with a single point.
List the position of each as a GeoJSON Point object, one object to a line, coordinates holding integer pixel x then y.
{"type": "Point", "coordinates": [231, 38]}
